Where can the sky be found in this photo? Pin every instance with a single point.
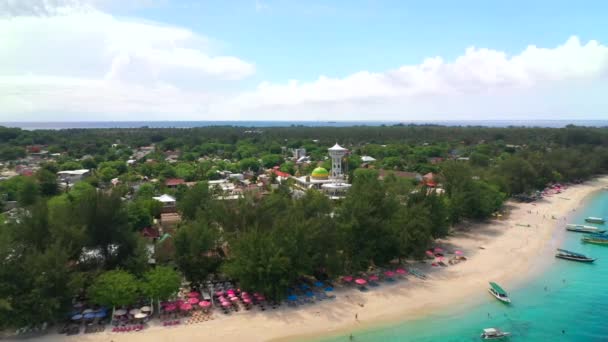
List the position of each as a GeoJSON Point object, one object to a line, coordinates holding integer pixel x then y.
{"type": "Point", "coordinates": [134, 60]}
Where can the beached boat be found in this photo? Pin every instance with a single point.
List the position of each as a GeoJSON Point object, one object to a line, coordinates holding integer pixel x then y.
{"type": "Point", "coordinates": [499, 293]}
{"type": "Point", "coordinates": [493, 334]}
{"type": "Point", "coordinates": [595, 239]}
{"type": "Point", "coordinates": [417, 274]}
{"type": "Point", "coordinates": [592, 219]}
{"type": "Point", "coordinates": [568, 255]}
{"type": "Point", "coordinates": [580, 228]}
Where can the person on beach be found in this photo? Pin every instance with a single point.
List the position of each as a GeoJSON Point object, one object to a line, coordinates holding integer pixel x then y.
{"type": "Point", "coordinates": [357, 317]}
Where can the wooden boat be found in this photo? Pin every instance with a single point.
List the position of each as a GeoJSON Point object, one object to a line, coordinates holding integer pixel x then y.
{"type": "Point", "coordinates": [568, 255]}
{"type": "Point", "coordinates": [499, 293]}
{"type": "Point", "coordinates": [579, 228]}
{"type": "Point", "coordinates": [596, 240]}
{"type": "Point", "coordinates": [592, 219]}
{"type": "Point", "coordinates": [493, 334]}
{"type": "Point", "coordinates": [417, 274]}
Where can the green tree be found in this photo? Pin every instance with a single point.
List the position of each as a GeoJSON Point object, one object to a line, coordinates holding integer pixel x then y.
{"type": "Point", "coordinates": [195, 250]}
{"type": "Point", "coordinates": [161, 282]}
{"type": "Point", "coordinates": [271, 160]}
{"type": "Point", "coordinates": [27, 193]}
{"type": "Point", "coordinates": [194, 200]}
{"type": "Point", "coordinates": [114, 288]}
{"type": "Point", "coordinates": [47, 182]}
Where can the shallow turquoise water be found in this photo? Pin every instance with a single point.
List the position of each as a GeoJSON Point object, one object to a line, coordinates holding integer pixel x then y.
{"type": "Point", "coordinates": [575, 300]}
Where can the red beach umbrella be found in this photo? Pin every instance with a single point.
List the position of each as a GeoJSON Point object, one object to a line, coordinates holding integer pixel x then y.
{"type": "Point", "coordinates": [400, 271]}
{"type": "Point", "coordinates": [204, 304]}
{"type": "Point", "coordinates": [185, 307]}
{"type": "Point", "coordinates": [193, 301]}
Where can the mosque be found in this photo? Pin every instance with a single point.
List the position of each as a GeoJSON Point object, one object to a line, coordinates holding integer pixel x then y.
{"type": "Point", "coordinates": [332, 182]}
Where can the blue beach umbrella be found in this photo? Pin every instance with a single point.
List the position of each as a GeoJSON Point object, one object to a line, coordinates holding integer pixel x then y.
{"type": "Point", "coordinates": [292, 298]}
{"type": "Point", "coordinates": [319, 284]}
{"type": "Point", "coordinates": [309, 294]}
{"type": "Point", "coordinates": [304, 287]}
{"type": "Point", "coordinates": [329, 289]}
{"type": "Point", "coordinates": [101, 314]}
{"type": "Point", "coordinates": [77, 317]}
{"type": "Point", "coordinates": [90, 315]}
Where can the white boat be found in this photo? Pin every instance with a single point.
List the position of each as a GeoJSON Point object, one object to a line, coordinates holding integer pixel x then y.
{"type": "Point", "coordinates": [493, 334]}
{"type": "Point", "coordinates": [597, 220]}
{"type": "Point", "coordinates": [499, 293]}
{"type": "Point", "coordinates": [580, 228]}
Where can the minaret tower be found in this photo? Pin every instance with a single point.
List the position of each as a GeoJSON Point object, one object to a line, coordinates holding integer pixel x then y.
{"type": "Point", "coordinates": [336, 153]}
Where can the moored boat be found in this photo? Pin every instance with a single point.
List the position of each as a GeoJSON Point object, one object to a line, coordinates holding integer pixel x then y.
{"type": "Point", "coordinates": [417, 274]}
{"type": "Point", "coordinates": [568, 255]}
{"type": "Point", "coordinates": [493, 334]}
{"type": "Point", "coordinates": [580, 228]}
{"type": "Point", "coordinates": [592, 219]}
{"type": "Point", "coordinates": [595, 239]}
{"type": "Point", "coordinates": [499, 293]}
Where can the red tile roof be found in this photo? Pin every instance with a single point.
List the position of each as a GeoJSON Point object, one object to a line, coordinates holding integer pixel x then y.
{"type": "Point", "coordinates": [174, 181]}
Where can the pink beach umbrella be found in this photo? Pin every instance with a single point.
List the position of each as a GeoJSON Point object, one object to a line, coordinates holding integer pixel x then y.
{"type": "Point", "coordinates": [400, 271]}
{"type": "Point", "coordinates": [389, 274]}
{"type": "Point", "coordinates": [234, 299]}
{"type": "Point", "coordinates": [430, 254]}
{"type": "Point", "coordinates": [193, 294]}
{"type": "Point", "coordinates": [261, 298]}
{"type": "Point", "coordinates": [458, 253]}
{"type": "Point", "coordinates": [171, 307]}
{"type": "Point", "coordinates": [361, 281]}
{"type": "Point", "coordinates": [204, 304]}
{"type": "Point", "coordinates": [185, 307]}
{"type": "Point", "coordinates": [438, 250]}
{"type": "Point", "coordinates": [247, 301]}
{"type": "Point", "coordinates": [373, 278]}
{"type": "Point", "coordinates": [347, 279]}
{"type": "Point", "coordinates": [193, 301]}
{"type": "Point", "coordinates": [219, 293]}
{"type": "Point", "coordinates": [226, 304]}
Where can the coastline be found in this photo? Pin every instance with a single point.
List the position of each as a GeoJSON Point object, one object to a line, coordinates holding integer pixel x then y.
{"type": "Point", "coordinates": [511, 255]}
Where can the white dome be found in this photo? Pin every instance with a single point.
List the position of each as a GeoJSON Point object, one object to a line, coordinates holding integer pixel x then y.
{"type": "Point", "coordinates": [337, 147]}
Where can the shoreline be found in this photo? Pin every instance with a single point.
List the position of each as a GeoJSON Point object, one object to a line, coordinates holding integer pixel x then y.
{"type": "Point", "coordinates": [512, 254]}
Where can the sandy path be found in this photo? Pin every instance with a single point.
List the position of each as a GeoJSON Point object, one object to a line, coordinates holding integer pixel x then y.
{"type": "Point", "coordinates": [510, 256]}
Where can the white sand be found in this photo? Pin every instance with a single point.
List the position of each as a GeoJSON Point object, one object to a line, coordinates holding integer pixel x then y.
{"type": "Point", "coordinates": [512, 254]}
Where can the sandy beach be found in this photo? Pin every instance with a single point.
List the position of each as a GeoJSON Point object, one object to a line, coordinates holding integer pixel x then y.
{"type": "Point", "coordinates": [514, 248]}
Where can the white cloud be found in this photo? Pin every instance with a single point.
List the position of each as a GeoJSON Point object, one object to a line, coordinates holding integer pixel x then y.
{"type": "Point", "coordinates": [75, 59]}
{"type": "Point", "coordinates": [67, 60]}
{"type": "Point", "coordinates": [11, 8]}
{"type": "Point", "coordinates": [477, 72]}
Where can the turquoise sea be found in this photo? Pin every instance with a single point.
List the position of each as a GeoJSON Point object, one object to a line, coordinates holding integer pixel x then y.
{"type": "Point", "coordinates": [575, 300]}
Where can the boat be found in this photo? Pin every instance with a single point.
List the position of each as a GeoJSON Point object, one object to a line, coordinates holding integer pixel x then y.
{"type": "Point", "coordinates": [493, 334]}
{"type": "Point", "coordinates": [592, 219]}
{"type": "Point", "coordinates": [417, 274]}
{"type": "Point", "coordinates": [580, 228]}
{"type": "Point", "coordinates": [596, 240]}
{"type": "Point", "coordinates": [499, 293]}
{"type": "Point", "coordinates": [568, 255]}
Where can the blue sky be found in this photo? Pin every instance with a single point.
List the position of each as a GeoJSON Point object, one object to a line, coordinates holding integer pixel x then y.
{"type": "Point", "coordinates": [303, 39]}
{"type": "Point", "coordinates": [294, 60]}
